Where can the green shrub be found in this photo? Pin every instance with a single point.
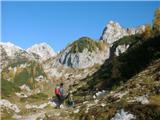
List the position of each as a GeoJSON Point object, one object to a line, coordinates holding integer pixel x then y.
{"type": "Point", "coordinates": [145, 112]}
{"type": "Point", "coordinates": [8, 88]}
{"type": "Point", "coordinates": [128, 40]}
{"type": "Point", "coordinates": [39, 96]}
{"type": "Point", "coordinates": [25, 75]}
{"type": "Point", "coordinates": [86, 43]}
{"type": "Point", "coordinates": [22, 77]}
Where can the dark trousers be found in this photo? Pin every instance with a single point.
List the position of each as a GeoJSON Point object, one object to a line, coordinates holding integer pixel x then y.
{"type": "Point", "coordinates": [59, 100]}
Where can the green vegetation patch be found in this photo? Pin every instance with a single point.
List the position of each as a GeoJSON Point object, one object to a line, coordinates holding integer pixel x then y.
{"type": "Point", "coordinates": [119, 69]}
{"type": "Point", "coordinates": [18, 62]}
{"type": "Point", "coordinates": [8, 88]}
{"type": "Point", "coordinates": [86, 43]}
{"type": "Point", "coordinates": [128, 40]}
{"type": "Point", "coordinates": [5, 115]}
{"type": "Point", "coordinates": [145, 112]}
{"type": "Point", "coordinates": [96, 113]}
{"type": "Point", "coordinates": [22, 76]}
{"type": "Point", "coordinates": [38, 96]}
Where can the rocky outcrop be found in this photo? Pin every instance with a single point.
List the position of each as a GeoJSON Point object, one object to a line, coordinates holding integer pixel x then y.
{"type": "Point", "coordinates": [5, 104]}
{"type": "Point", "coordinates": [83, 53]}
{"type": "Point", "coordinates": [121, 49]}
{"type": "Point", "coordinates": [43, 50]}
{"type": "Point", "coordinates": [122, 115]}
{"type": "Point", "coordinates": [114, 31]}
{"type": "Point", "coordinates": [141, 99]}
{"type": "Point", "coordinates": [84, 59]}
{"type": "Point", "coordinates": [25, 88]}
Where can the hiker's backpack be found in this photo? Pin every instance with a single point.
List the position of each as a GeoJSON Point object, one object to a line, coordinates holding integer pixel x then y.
{"type": "Point", "coordinates": [57, 91]}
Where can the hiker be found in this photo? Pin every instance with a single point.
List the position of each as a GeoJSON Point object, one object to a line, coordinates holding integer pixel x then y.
{"type": "Point", "coordinates": [70, 97]}
{"type": "Point", "coordinates": [58, 95]}
{"type": "Point", "coordinates": [62, 91]}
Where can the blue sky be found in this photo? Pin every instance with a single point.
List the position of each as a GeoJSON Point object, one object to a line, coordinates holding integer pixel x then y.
{"type": "Point", "coordinates": [60, 23]}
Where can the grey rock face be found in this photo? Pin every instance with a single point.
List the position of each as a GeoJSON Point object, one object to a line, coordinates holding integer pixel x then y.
{"type": "Point", "coordinates": [83, 59]}
{"type": "Point", "coordinates": [113, 32]}
{"type": "Point", "coordinates": [121, 49]}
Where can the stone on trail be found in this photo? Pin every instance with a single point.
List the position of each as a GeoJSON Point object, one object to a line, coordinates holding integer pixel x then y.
{"type": "Point", "coordinates": [8, 105]}
{"type": "Point", "coordinates": [142, 99]}
{"type": "Point", "coordinates": [122, 115]}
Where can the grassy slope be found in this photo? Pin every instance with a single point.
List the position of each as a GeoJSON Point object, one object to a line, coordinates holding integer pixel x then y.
{"type": "Point", "coordinates": [86, 43]}
{"type": "Point", "coordinates": [22, 76]}
{"type": "Point", "coordinates": [147, 80]}
{"type": "Point", "coordinates": [126, 73]}
{"type": "Point", "coordinates": [120, 69]}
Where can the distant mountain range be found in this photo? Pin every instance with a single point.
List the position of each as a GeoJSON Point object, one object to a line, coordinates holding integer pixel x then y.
{"type": "Point", "coordinates": [83, 53]}
{"type": "Point", "coordinates": [38, 52]}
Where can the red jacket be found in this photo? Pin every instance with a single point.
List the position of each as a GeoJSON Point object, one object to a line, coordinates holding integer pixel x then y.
{"type": "Point", "coordinates": [57, 91]}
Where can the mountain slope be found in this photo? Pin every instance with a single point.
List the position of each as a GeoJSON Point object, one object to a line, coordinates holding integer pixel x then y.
{"type": "Point", "coordinates": [128, 64]}
{"type": "Point", "coordinates": [139, 96]}
{"type": "Point", "coordinates": [114, 78]}
{"type": "Point", "coordinates": [128, 82]}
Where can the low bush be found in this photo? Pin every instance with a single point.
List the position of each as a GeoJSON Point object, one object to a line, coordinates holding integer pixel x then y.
{"type": "Point", "coordinates": [86, 43]}
{"type": "Point", "coordinates": [8, 88]}
{"type": "Point", "coordinates": [145, 112]}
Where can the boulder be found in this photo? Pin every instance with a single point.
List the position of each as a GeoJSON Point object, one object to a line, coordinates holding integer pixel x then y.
{"type": "Point", "coordinates": [122, 115]}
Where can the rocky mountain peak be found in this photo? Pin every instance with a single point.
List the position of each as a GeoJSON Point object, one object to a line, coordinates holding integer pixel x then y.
{"type": "Point", "coordinates": [43, 50]}
{"type": "Point", "coordinates": [113, 24]}
{"type": "Point", "coordinates": [114, 31]}
{"type": "Point", "coordinates": [10, 48]}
